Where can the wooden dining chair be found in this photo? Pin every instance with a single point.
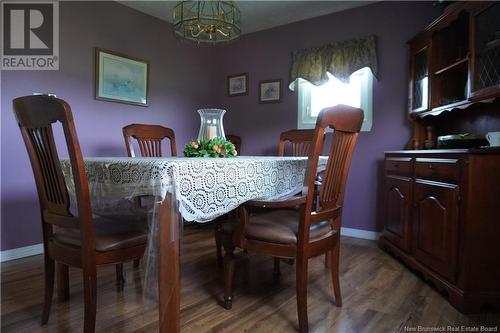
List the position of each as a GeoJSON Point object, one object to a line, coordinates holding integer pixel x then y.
{"type": "Point", "coordinates": [149, 139]}
{"type": "Point", "coordinates": [306, 231]}
{"type": "Point", "coordinates": [79, 239]}
{"type": "Point", "coordinates": [301, 142]}
{"type": "Point", "coordinates": [236, 141]}
{"type": "Point", "coordinates": [298, 142]}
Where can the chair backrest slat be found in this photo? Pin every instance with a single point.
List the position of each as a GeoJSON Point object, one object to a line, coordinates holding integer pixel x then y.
{"type": "Point", "coordinates": [149, 139]}
{"type": "Point", "coordinates": [55, 192]}
{"type": "Point", "coordinates": [333, 185]}
{"type": "Point", "coordinates": [301, 141]}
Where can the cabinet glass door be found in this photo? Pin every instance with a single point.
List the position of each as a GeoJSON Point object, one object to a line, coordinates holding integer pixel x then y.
{"type": "Point", "coordinates": [487, 49]}
{"type": "Point", "coordinates": [420, 89]}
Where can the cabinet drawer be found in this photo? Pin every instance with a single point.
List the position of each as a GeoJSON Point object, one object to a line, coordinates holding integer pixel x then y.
{"type": "Point", "coordinates": [442, 169]}
{"type": "Point", "coordinates": [399, 165]}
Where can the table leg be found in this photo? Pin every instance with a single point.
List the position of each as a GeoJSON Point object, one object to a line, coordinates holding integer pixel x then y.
{"type": "Point", "coordinates": [168, 269]}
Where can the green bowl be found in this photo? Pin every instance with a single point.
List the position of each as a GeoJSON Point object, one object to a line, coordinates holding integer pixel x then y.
{"type": "Point", "coordinates": [466, 140]}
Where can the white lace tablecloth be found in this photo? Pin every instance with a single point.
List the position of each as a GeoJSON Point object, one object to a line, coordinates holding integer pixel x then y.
{"type": "Point", "coordinates": [204, 187]}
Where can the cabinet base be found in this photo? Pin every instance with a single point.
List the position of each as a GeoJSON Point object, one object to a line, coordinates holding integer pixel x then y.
{"type": "Point", "coordinates": [464, 302]}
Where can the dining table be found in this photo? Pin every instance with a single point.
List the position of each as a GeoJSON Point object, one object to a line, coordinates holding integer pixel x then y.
{"type": "Point", "coordinates": [184, 189]}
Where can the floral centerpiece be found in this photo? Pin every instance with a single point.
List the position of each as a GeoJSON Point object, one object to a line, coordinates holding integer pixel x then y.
{"type": "Point", "coordinates": [215, 147]}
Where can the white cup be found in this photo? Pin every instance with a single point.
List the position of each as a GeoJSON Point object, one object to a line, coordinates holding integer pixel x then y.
{"type": "Point", "coordinates": [493, 138]}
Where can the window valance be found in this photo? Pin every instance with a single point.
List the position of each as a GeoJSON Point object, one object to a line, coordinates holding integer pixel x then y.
{"type": "Point", "coordinates": [340, 59]}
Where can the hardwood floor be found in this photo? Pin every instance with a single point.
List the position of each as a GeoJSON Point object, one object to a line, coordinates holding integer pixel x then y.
{"type": "Point", "coordinates": [379, 295]}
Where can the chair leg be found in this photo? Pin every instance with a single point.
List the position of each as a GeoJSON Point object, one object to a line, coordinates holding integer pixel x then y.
{"type": "Point", "coordinates": [120, 280]}
{"type": "Point", "coordinates": [90, 298]}
{"type": "Point", "coordinates": [137, 263]}
{"type": "Point", "coordinates": [328, 259]}
{"type": "Point", "coordinates": [228, 275]}
{"type": "Point", "coordinates": [62, 272]}
{"type": "Point", "coordinates": [218, 245]}
{"type": "Point", "coordinates": [49, 288]}
{"type": "Point", "coordinates": [335, 253]}
{"type": "Point", "coordinates": [277, 269]}
{"type": "Point", "coordinates": [301, 281]}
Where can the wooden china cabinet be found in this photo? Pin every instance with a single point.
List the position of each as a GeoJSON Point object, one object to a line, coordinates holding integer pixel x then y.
{"type": "Point", "coordinates": [442, 206]}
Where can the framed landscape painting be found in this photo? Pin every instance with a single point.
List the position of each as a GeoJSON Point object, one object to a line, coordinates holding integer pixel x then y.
{"type": "Point", "coordinates": [270, 91]}
{"type": "Point", "coordinates": [237, 85]}
{"type": "Point", "coordinates": [121, 78]}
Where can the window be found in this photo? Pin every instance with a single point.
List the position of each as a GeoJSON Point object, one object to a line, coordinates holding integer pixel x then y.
{"type": "Point", "coordinates": [357, 93]}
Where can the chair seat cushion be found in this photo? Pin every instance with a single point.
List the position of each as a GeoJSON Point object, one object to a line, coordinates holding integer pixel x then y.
{"type": "Point", "coordinates": [109, 234]}
{"type": "Point", "coordinates": [280, 226]}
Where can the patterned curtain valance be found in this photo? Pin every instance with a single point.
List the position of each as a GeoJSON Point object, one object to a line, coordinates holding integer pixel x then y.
{"type": "Point", "coordinates": [340, 59]}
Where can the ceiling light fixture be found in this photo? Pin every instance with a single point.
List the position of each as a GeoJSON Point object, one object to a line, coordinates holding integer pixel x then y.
{"type": "Point", "coordinates": [207, 22]}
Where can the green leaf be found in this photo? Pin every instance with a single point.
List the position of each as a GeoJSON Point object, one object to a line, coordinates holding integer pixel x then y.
{"type": "Point", "coordinates": [206, 148]}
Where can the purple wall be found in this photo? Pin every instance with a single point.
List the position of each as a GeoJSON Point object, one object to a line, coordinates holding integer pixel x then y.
{"type": "Point", "coordinates": [184, 78]}
{"type": "Point", "coordinates": [180, 83]}
{"type": "Point", "coordinates": [267, 55]}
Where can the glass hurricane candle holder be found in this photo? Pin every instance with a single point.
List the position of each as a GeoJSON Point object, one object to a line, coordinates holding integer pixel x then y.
{"type": "Point", "coordinates": [211, 124]}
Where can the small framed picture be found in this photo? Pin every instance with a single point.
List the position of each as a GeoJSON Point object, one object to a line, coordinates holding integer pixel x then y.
{"type": "Point", "coordinates": [270, 91]}
{"type": "Point", "coordinates": [237, 85]}
{"type": "Point", "coordinates": [121, 78]}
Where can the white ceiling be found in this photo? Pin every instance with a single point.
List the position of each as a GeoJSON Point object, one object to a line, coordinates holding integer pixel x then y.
{"type": "Point", "coordinates": [257, 15]}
